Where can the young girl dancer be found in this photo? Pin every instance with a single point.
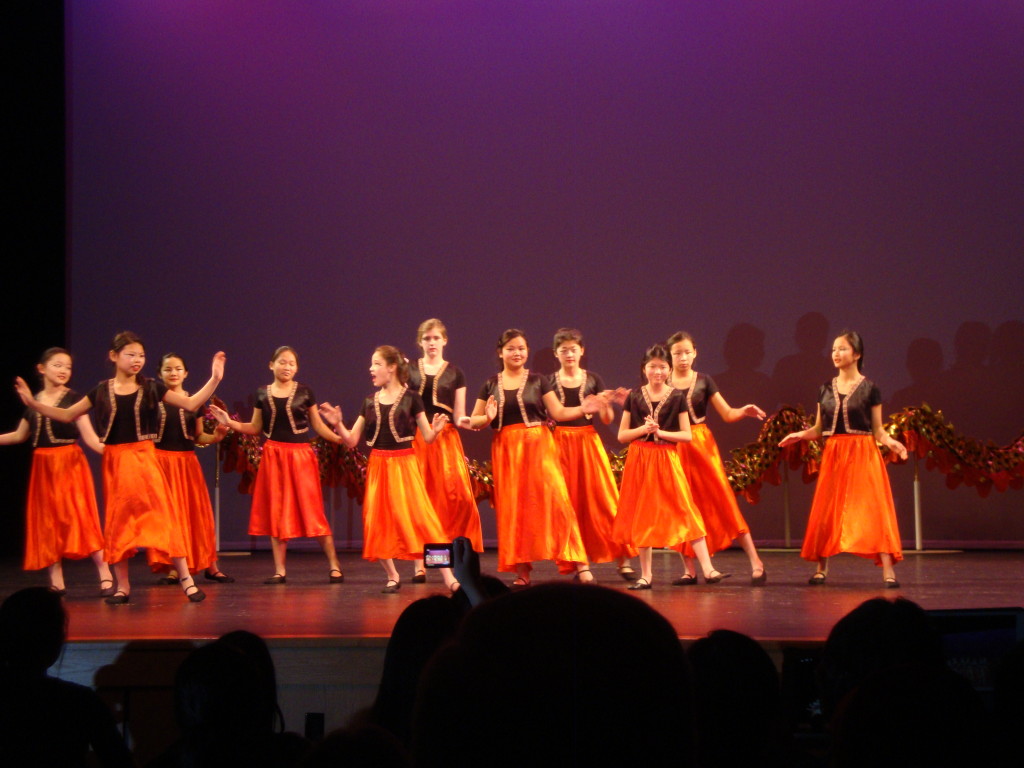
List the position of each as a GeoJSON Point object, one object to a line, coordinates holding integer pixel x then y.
{"type": "Point", "coordinates": [443, 461]}
{"type": "Point", "coordinates": [398, 518]}
{"type": "Point", "coordinates": [177, 434]}
{"type": "Point", "coordinates": [287, 500]}
{"type": "Point", "coordinates": [585, 465]}
{"type": "Point", "coordinates": [655, 505]}
{"type": "Point", "coordinates": [536, 520]}
{"type": "Point", "coordinates": [137, 501]}
{"type": "Point", "coordinates": [852, 509]}
{"type": "Point", "coordinates": [703, 466]}
{"type": "Point", "coordinates": [61, 518]}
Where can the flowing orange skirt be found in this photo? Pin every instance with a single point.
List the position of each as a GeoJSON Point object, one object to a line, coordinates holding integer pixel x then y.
{"type": "Point", "coordinates": [61, 517]}
{"type": "Point", "coordinates": [655, 505]}
{"type": "Point", "coordinates": [592, 491]}
{"type": "Point", "coordinates": [193, 513]}
{"type": "Point", "coordinates": [711, 491]}
{"type": "Point", "coordinates": [287, 501]}
{"type": "Point", "coordinates": [852, 509]}
{"type": "Point", "coordinates": [398, 518]}
{"type": "Point", "coordinates": [137, 504]}
{"type": "Point", "coordinates": [443, 465]}
{"type": "Point", "coordinates": [536, 520]}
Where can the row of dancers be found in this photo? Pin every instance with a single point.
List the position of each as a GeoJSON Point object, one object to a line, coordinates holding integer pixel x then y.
{"type": "Point", "coordinates": [554, 492]}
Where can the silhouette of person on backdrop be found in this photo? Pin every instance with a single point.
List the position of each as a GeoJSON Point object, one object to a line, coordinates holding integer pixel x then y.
{"type": "Point", "coordinates": [744, 354]}
{"type": "Point", "coordinates": [794, 376]}
{"type": "Point", "coordinates": [924, 364]}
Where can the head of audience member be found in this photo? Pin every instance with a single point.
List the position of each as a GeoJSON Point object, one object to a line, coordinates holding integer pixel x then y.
{"type": "Point", "coordinates": [733, 673]}
{"type": "Point", "coordinates": [33, 626]}
{"type": "Point", "coordinates": [535, 676]}
{"type": "Point", "coordinates": [254, 647]}
{"type": "Point", "coordinates": [878, 634]}
{"type": "Point", "coordinates": [362, 746]}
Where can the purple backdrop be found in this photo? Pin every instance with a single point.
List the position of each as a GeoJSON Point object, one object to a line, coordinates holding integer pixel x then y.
{"type": "Point", "coordinates": [328, 174]}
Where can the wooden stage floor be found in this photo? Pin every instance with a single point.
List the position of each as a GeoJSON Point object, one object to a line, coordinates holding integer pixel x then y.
{"type": "Point", "coordinates": [787, 610]}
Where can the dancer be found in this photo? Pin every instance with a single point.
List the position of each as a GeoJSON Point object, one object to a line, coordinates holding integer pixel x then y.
{"type": "Point", "coordinates": [398, 517]}
{"type": "Point", "coordinates": [287, 500]}
{"type": "Point", "coordinates": [536, 520]}
{"type": "Point", "coordinates": [585, 465]}
{"type": "Point", "coordinates": [177, 435]}
{"type": "Point", "coordinates": [443, 461]}
{"type": "Point", "coordinates": [852, 509]}
{"type": "Point", "coordinates": [61, 518]}
{"type": "Point", "coordinates": [655, 505]}
{"type": "Point", "coordinates": [703, 466]}
{"type": "Point", "coordinates": [137, 501]}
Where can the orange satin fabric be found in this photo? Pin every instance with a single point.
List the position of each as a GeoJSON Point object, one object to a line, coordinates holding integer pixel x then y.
{"type": "Point", "coordinates": [592, 491]}
{"type": "Point", "coordinates": [137, 503]}
{"type": "Point", "coordinates": [193, 513]}
{"type": "Point", "coordinates": [852, 509]}
{"type": "Point", "coordinates": [536, 520]}
{"type": "Point", "coordinates": [443, 466]}
{"type": "Point", "coordinates": [287, 501]}
{"type": "Point", "coordinates": [655, 505]}
{"type": "Point", "coordinates": [711, 491]}
{"type": "Point", "coordinates": [398, 518]}
{"type": "Point", "coordinates": [61, 517]}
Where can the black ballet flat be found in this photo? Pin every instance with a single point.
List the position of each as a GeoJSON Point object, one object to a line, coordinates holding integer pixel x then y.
{"type": "Point", "coordinates": [118, 598]}
{"type": "Point", "coordinates": [817, 579]}
{"type": "Point", "coordinates": [577, 577]}
{"type": "Point", "coordinates": [891, 583]}
{"type": "Point", "coordinates": [520, 583]}
{"type": "Point", "coordinates": [628, 573]}
{"type": "Point", "coordinates": [715, 579]}
{"type": "Point", "coordinates": [107, 591]}
{"type": "Point", "coordinates": [167, 580]}
{"type": "Point", "coordinates": [331, 578]}
{"type": "Point", "coordinates": [219, 577]}
{"type": "Point", "coordinates": [196, 596]}
{"type": "Point", "coordinates": [759, 581]}
{"type": "Point", "coordinates": [639, 584]}
{"type": "Point", "coordinates": [277, 578]}
{"type": "Point", "coordinates": [391, 587]}
{"type": "Point", "coordinates": [686, 580]}
{"type": "Point", "coordinates": [420, 577]}
{"type": "Point", "coordinates": [58, 591]}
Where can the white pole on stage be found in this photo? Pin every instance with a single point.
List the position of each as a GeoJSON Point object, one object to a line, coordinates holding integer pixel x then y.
{"type": "Point", "coordinates": [785, 503]}
{"type": "Point", "coordinates": [216, 500]}
{"type": "Point", "coordinates": [917, 508]}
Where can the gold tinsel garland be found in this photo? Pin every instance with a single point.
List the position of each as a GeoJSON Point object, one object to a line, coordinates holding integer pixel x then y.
{"type": "Point", "coordinates": [963, 460]}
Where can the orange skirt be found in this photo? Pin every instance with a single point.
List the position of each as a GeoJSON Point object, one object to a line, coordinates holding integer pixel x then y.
{"type": "Point", "coordinates": [137, 504]}
{"type": "Point", "coordinates": [193, 513]}
{"type": "Point", "coordinates": [61, 517]}
{"type": "Point", "coordinates": [655, 505]}
{"type": "Point", "coordinates": [536, 520]}
{"type": "Point", "coordinates": [711, 491]}
{"type": "Point", "coordinates": [398, 518]}
{"type": "Point", "coordinates": [287, 501]}
{"type": "Point", "coordinates": [443, 465]}
{"type": "Point", "coordinates": [592, 491]}
{"type": "Point", "coordinates": [853, 509]}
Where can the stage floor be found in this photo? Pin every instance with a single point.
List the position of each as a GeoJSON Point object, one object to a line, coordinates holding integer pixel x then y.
{"type": "Point", "coordinates": [787, 610]}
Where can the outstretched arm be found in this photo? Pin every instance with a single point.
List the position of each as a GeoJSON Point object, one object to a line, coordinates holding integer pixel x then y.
{"type": "Point", "coordinates": [430, 430]}
{"type": "Point", "coordinates": [192, 403]}
{"type": "Point", "coordinates": [331, 415]}
{"type": "Point", "coordinates": [811, 433]}
{"type": "Point", "coordinates": [730, 414]}
{"type": "Point", "coordinates": [558, 412]}
{"type": "Point", "coordinates": [19, 435]}
{"type": "Point", "coordinates": [251, 428]}
{"type": "Point", "coordinates": [322, 429]}
{"type": "Point", "coordinates": [66, 415]}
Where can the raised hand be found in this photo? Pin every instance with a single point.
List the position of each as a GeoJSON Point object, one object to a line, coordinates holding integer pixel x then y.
{"type": "Point", "coordinates": [220, 414]}
{"type": "Point", "coordinates": [331, 414]}
{"type": "Point", "coordinates": [491, 408]}
{"type": "Point", "coordinates": [438, 422]}
{"type": "Point", "coordinates": [22, 390]}
{"type": "Point", "coordinates": [592, 403]}
{"type": "Point", "coordinates": [217, 371]}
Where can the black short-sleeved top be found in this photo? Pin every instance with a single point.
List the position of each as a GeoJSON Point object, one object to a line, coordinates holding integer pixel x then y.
{"type": "Point", "coordinates": [177, 430]}
{"type": "Point", "coordinates": [518, 406]}
{"type": "Point", "coordinates": [698, 397]}
{"type": "Point", "coordinates": [848, 414]}
{"type": "Point", "coordinates": [127, 418]}
{"type": "Point", "coordinates": [573, 396]}
{"type": "Point", "coordinates": [391, 427]}
{"type": "Point", "coordinates": [286, 419]}
{"type": "Point", "coordinates": [47, 433]}
{"type": "Point", "coordinates": [639, 406]}
{"type": "Point", "coordinates": [437, 390]}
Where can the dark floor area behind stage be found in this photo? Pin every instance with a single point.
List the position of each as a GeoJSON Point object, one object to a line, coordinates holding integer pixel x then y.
{"type": "Point", "coordinates": [328, 641]}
